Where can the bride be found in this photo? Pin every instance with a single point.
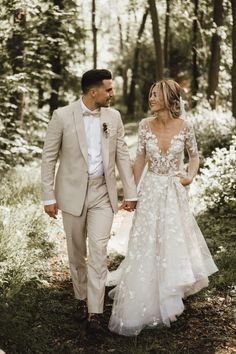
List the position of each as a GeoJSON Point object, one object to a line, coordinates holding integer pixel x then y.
{"type": "Point", "coordinates": [167, 257]}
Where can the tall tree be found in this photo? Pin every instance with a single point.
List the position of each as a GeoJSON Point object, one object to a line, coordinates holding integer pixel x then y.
{"type": "Point", "coordinates": [94, 30]}
{"type": "Point", "coordinates": [157, 39]}
{"type": "Point", "coordinates": [233, 3]}
{"type": "Point", "coordinates": [213, 75]}
{"type": "Point", "coordinates": [16, 48]}
{"type": "Point", "coordinates": [132, 96]}
{"type": "Point", "coordinates": [123, 67]}
{"type": "Point", "coordinates": [195, 70]}
{"type": "Point", "coordinates": [55, 59]}
{"type": "Point", "coordinates": [63, 39]}
{"type": "Point", "coordinates": [167, 35]}
{"type": "Point", "coordinates": [34, 38]}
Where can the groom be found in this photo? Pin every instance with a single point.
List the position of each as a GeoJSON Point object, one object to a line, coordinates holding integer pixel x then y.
{"type": "Point", "coordinates": [87, 137]}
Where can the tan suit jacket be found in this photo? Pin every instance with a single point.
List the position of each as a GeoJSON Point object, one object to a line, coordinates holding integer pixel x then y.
{"type": "Point", "coordinates": [66, 140]}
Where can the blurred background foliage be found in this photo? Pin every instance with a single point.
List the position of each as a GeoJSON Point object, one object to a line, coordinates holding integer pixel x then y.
{"type": "Point", "coordinates": [45, 48]}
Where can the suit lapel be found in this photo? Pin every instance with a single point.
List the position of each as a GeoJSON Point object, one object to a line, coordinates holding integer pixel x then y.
{"type": "Point", "coordinates": [105, 139]}
{"type": "Point", "coordinates": [80, 129]}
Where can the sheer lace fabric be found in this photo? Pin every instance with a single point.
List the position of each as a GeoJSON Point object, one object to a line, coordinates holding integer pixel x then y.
{"type": "Point", "coordinates": [167, 257]}
{"type": "Point", "coordinates": [170, 162]}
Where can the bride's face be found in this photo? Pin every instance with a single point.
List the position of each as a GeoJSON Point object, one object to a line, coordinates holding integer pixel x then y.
{"type": "Point", "coordinates": [156, 100]}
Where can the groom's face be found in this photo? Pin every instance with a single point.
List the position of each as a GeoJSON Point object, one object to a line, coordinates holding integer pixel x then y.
{"type": "Point", "coordinates": [103, 94]}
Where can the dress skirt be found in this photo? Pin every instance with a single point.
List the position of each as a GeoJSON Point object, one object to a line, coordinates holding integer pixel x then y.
{"type": "Point", "coordinates": [167, 259]}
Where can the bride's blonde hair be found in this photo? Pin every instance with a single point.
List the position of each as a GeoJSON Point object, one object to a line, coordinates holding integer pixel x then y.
{"type": "Point", "coordinates": [171, 93]}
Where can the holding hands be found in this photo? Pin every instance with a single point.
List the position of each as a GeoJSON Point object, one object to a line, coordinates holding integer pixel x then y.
{"type": "Point", "coordinates": [51, 210]}
{"type": "Point", "coordinates": [128, 205]}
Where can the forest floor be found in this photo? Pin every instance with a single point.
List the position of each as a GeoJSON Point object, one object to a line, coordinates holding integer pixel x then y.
{"type": "Point", "coordinates": [39, 319]}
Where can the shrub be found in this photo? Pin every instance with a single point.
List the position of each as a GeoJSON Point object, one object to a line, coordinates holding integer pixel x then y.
{"type": "Point", "coordinates": [216, 184]}
{"type": "Point", "coordinates": [22, 249]}
{"type": "Point", "coordinates": [19, 184]}
{"type": "Point", "coordinates": [24, 243]}
{"type": "Point", "coordinates": [214, 129]}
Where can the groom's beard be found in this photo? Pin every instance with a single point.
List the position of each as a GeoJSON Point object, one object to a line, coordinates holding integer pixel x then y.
{"type": "Point", "coordinates": [108, 103]}
{"type": "Point", "coordinates": [103, 104]}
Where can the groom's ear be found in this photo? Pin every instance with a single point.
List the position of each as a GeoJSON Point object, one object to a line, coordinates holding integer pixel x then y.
{"type": "Point", "coordinates": [93, 92]}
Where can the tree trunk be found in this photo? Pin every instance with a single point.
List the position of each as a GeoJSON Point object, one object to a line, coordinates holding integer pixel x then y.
{"type": "Point", "coordinates": [55, 82]}
{"type": "Point", "coordinates": [213, 75]}
{"type": "Point", "coordinates": [124, 68]}
{"type": "Point", "coordinates": [15, 48]}
{"type": "Point", "coordinates": [128, 26]}
{"type": "Point", "coordinates": [195, 71]}
{"type": "Point", "coordinates": [157, 39]}
{"type": "Point", "coordinates": [131, 97]}
{"type": "Point", "coordinates": [94, 30]}
{"type": "Point", "coordinates": [234, 59]}
{"type": "Point", "coordinates": [56, 64]}
{"type": "Point", "coordinates": [167, 32]}
{"type": "Point", "coordinates": [40, 96]}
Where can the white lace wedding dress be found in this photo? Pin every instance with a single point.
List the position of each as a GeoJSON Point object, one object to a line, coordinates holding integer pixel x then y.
{"type": "Point", "coordinates": [167, 257]}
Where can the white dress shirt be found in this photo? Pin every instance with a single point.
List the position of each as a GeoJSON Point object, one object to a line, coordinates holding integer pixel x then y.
{"type": "Point", "coordinates": [93, 138]}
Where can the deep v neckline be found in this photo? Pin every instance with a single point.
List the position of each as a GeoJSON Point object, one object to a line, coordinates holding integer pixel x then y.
{"type": "Point", "coordinates": [165, 153]}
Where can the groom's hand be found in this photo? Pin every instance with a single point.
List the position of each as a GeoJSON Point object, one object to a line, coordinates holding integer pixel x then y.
{"type": "Point", "coordinates": [51, 210]}
{"type": "Point", "coordinates": [128, 205]}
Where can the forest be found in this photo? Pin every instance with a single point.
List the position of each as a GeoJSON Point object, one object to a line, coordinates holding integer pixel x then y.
{"type": "Point", "coordinates": [45, 47]}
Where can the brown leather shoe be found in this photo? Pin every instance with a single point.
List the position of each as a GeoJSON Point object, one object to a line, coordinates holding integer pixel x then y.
{"type": "Point", "coordinates": [94, 324]}
{"type": "Point", "coordinates": [81, 312]}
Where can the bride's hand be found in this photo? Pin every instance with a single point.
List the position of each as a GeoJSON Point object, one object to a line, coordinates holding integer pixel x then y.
{"type": "Point", "coordinates": [185, 180]}
{"type": "Point", "coordinates": [122, 206]}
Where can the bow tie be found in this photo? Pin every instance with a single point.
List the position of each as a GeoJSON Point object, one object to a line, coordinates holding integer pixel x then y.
{"type": "Point", "coordinates": [93, 114]}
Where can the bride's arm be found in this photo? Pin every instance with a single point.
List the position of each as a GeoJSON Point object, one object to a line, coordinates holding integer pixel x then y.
{"type": "Point", "coordinates": [138, 167]}
{"type": "Point", "coordinates": [191, 146]}
{"type": "Point", "coordinates": [140, 160]}
{"type": "Point", "coordinates": [193, 167]}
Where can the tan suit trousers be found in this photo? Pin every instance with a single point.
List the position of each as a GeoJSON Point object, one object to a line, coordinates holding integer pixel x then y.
{"type": "Point", "coordinates": [89, 272]}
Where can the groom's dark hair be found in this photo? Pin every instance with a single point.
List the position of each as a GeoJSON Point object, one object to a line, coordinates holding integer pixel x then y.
{"type": "Point", "coordinates": [93, 78]}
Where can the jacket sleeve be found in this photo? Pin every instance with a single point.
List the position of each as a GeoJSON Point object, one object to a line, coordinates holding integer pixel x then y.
{"type": "Point", "coordinates": [50, 154]}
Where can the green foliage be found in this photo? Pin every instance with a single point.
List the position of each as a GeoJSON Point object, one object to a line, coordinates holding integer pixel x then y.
{"type": "Point", "coordinates": [216, 184]}
{"type": "Point", "coordinates": [40, 46]}
{"type": "Point", "coordinates": [219, 231]}
{"type": "Point", "coordinates": [145, 78]}
{"type": "Point", "coordinates": [180, 50]}
{"type": "Point", "coordinates": [23, 246]}
{"type": "Point", "coordinates": [61, 39]}
{"type": "Point", "coordinates": [180, 46]}
{"type": "Point", "coordinates": [16, 150]}
{"type": "Point", "coordinates": [24, 242]}
{"type": "Point", "coordinates": [214, 129]}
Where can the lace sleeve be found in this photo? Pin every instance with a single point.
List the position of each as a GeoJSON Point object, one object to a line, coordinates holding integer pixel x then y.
{"type": "Point", "coordinates": [141, 147]}
{"type": "Point", "coordinates": [140, 159]}
{"type": "Point", "coordinates": [192, 149]}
